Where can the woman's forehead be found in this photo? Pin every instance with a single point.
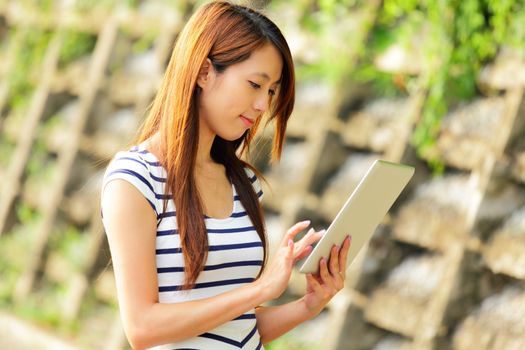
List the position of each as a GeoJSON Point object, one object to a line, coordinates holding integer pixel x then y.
{"type": "Point", "coordinates": [266, 77]}
{"type": "Point", "coordinates": [265, 63]}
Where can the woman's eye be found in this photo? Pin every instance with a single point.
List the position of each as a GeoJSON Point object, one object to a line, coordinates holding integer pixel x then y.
{"type": "Point", "coordinates": [257, 86]}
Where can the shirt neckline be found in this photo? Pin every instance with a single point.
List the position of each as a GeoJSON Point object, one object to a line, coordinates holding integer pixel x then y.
{"type": "Point", "coordinates": [142, 147]}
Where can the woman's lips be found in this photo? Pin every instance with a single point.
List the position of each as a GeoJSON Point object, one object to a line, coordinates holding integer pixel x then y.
{"type": "Point", "coordinates": [247, 122]}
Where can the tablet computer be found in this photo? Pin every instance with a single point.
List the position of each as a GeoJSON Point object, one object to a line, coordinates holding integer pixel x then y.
{"type": "Point", "coordinates": [363, 211]}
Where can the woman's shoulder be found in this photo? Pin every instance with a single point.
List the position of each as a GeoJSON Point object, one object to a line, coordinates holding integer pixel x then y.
{"type": "Point", "coordinates": [134, 167]}
{"type": "Point", "coordinates": [132, 156]}
{"type": "Point", "coordinates": [138, 161]}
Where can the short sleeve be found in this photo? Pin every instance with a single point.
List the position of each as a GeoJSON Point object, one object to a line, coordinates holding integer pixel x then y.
{"type": "Point", "coordinates": [255, 183]}
{"type": "Point", "coordinates": [129, 166]}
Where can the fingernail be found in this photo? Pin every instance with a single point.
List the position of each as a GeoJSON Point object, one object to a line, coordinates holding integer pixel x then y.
{"type": "Point", "coordinates": [323, 231]}
{"type": "Point", "coordinates": [290, 242]}
{"type": "Point", "coordinates": [305, 222]}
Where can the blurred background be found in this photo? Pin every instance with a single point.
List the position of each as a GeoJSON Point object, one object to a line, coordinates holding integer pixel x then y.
{"type": "Point", "coordinates": [438, 85]}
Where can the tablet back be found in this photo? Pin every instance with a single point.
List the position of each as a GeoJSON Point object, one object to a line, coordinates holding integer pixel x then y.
{"type": "Point", "coordinates": [363, 211]}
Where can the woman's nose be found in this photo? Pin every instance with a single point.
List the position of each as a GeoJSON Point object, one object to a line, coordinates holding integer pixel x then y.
{"type": "Point", "coordinates": [262, 102]}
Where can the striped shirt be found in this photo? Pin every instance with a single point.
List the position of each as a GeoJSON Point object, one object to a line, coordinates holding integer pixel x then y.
{"type": "Point", "coordinates": [235, 251]}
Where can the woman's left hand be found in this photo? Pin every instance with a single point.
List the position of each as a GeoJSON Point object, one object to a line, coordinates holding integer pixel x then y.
{"type": "Point", "coordinates": [322, 287]}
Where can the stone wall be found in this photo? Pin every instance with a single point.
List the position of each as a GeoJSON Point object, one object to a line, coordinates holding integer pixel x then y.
{"type": "Point", "coordinates": [444, 270]}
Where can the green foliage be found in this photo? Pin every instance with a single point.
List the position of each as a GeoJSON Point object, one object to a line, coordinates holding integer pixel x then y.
{"type": "Point", "coordinates": [45, 5]}
{"type": "Point", "coordinates": [71, 244]}
{"type": "Point", "coordinates": [131, 3]}
{"type": "Point", "coordinates": [458, 38]}
{"type": "Point", "coordinates": [332, 23]}
{"type": "Point", "coordinates": [13, 251]}
{"type": "Point", "coordinates": [25, 213]}
{"type": "Point", "coordinates": [43, 305]}
{"type": "Point", "coordinates": [469, 34]}
{"type": "Point", "coordinates": [75, 45]}
{"type": "Point", "coordinates": [6, 150]}
{"type": "Point", "coordinates": [381, 83]}
{"type": "Point", "coordinates": [86, 6]}
{"type": "Point", "coordinates": [38, 161]}
{"type": "Point", "coordinates": [144, 42]}
{"type": "Point", "coordinates": [287, 341]}
{"type": "Point", "coordinates": [28, 57]}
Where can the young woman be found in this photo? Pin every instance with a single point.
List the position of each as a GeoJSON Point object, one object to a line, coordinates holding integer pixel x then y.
{"type": "Point", "coordinates": [182, 212]}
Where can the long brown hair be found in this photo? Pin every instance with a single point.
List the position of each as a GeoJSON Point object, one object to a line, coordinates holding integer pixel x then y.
{"type": "Point", "coordinates": [226, 34]}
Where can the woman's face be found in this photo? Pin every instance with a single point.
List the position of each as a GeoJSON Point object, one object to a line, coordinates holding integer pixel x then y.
{"type": "Point", "coordinates": [243, 89]}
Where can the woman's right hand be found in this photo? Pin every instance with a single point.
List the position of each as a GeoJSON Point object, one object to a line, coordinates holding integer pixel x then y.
{"type": "Point", "coordinates": [276, 275]}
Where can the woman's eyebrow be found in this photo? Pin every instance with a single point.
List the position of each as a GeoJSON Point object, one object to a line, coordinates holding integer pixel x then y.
{"type": "Point", "coordinates": [267, 77]}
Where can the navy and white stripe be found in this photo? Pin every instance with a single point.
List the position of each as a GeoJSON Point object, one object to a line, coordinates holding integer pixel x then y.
{"type": "Point", "coordinates": [234, 258]}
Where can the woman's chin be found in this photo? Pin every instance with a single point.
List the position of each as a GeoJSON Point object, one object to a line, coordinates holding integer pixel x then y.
{"type": "Point", "coordinates": [231, 137]}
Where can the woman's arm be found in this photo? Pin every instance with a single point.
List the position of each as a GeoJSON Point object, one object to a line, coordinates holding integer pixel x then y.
{"type": "Point", "coordinates": [274, 321]}
{"type": "Point", "coordinates": [131, 228]}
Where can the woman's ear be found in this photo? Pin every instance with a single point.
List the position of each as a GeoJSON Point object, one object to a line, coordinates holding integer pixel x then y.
{"type": "Point", "coordinates": [206, 74]}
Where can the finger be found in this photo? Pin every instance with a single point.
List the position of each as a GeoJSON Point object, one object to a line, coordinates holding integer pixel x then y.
{"type": "Point", "coordinates": [335, 270]}
{"type": "Point", "coordinates": [294, 230]}
{"type": "Point", "coordinates": [334, 261]}
{"type": "Point", "coordinates": [301, 245]}
{"type": "Point", "coordinates": [304, 253]}
{"type": "Point", "coordinates": [325, 275]}
{"type": "Point", "coordinates": [311, 237]}
{"type": "Point", "coordinates": [343, 254]}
